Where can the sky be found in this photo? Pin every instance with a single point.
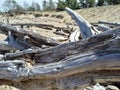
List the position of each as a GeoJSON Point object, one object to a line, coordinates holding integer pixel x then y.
{"type": "Point", "coordinates": [22, 1]}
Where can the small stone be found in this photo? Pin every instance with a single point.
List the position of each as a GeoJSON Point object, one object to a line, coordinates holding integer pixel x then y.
{"type": "Point", "coordinates": [111, 87]}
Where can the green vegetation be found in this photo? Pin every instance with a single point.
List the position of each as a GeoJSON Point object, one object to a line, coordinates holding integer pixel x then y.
{"type": "Point", "coordinates": [49, 5]}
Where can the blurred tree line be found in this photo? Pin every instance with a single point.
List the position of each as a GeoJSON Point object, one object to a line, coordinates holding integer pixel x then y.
{"type": "Point", "coordinates": [48, 5]}
{"type": "Point", "coordinates": [77, 4]}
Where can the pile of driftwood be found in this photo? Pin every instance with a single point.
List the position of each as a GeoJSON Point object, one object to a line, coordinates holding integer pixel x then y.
{"type": "Point", "coordinates": [41, 63]}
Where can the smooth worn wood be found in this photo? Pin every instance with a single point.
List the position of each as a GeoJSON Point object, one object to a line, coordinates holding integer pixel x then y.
{"type": "Point", "coordinates": [17, 43]}
{"type": "Point", "coordinates": [79, 63]}
{"type": "Point", "coordinates": [110, 23]}
{"type": "Point", "coordinates": [44, 26]}
{"type": "Point", "coordinates": [96, 43]}
{"type": "Point", "coordinates": [5, 48]}
{"type": "Point", "coordinates": [33, 37]}
{"type": "Point", "coordinates": [86, 29]}
{"type": "Point", "coordinates": [103, 27]}
{"type": "Point", "coordinates": [74, 36]}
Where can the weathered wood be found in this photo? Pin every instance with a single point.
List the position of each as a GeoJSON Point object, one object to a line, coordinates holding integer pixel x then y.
{"type": "Point", "coordinates": [45, 26]}
{"type": "Point", "coordinates": [86, 29]}
{"type": "Point", "coordinates": [22, 54]}
{"type": "Point", "coordinates": [110, 23]}
{"type": "Point", "coordinates": [5, 48]}
{"type": "Point", "coordinates": [103, 27]}
{"type": "Point", "coordinates": [67, 66]}
{"type": "Point", "coordinates": [74, 36]}
{"type": "Point", "coordinates": [16, 42]}
{"type": "Point", "coordinates": [79, 64]}
{"type": "Point", "coordinates": [98, 43]}
{"type": "Point", "coordinates": [32, 36]}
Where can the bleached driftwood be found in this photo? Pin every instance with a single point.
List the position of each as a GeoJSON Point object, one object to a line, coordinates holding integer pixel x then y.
{"type": "Point", "coordinates": [96, 43]}
{"type": "Point", "coordinates": [16, 42]}
{"type": "Point", "coordinates": [103, 27]}
{"type": "Point", "coordinates": [74, 36]}
{"type": "Point", "coordinates": [44, 26]}
{"type": "Point", "coordinates": [86, 29]}
{"type": "Point", "coordinates": [33, 38]}
{"type": "Point", "coordinates": [68, 66]}
{"type": "Point", "coordinates": [110, 23]}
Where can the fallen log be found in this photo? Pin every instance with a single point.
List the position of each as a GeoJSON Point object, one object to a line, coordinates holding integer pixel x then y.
{"type": "Point", "coordinates": [44, 26]}
{"type": "Point", "coordinates": [5, 48]}
{"type": "Point", "coordinates": [96, 43]}
{"type": "Point", "coordinates": [16, 42]}
{"type": "Point", "coordinates": [78, 64]}
{"type": "Point", "coordinates": [109, 23]}
{"type": "Point", "coordinates": [33, 37]}
{"type": "Point", "coordinates": [86, 29]}
{"type": "Point", "coordinates": [103, 27]}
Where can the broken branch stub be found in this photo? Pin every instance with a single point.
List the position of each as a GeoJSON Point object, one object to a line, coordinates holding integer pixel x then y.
{"type": "Point", "coordinates": [86, 29]}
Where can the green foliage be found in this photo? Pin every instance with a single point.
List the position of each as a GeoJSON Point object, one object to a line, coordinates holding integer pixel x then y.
{"type": "Point", "coordinates": [91, 3]}
{"type": "Point", "coordinates": [44, 5]}
{"type": "Point", "coordinates": [114, 2]}
{"type": "Point", "coordinates": [110, 2]}
{"type": "Point", "coordinates": [61, 5]}
{"type": "Point", "coordinates": [100, 2]}
{"type": "Point", "coordinates": [73, 4]}
{"type": "Point", "coordinates": [34, 7]}
{"type": "Point", "coordinates": [51, 5]}
{"type": "Point", "coordinates": [48, 5]}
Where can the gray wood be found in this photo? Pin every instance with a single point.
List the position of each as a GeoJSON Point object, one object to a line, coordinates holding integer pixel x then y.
{"type": "Point", "coordinates": [5, 48]}
{"type": "Point", "coordinates": [109, 23]}
{"type": "Point", "coordinates": [67, 66]}
{"type": "Point", "coordinates": [103, 27]}
{"type": "Point", "coordinates": [34, 38]}
{"type": "Point", "coordinates": [44, 26]}
{"type": "Point", "coordinates": [86, 29]}
{"type": "Point", "coordinates": [61, 52]}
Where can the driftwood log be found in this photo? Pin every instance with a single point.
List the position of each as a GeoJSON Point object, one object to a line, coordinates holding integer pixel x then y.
{"type": "Point", "coordinates": [32, 38]}
{"type": "Point", "coordinates": [69, 66]}
{"type": "Point", "coordinates": [44, 26]}
{"type": "Point", "coordinates": [103, 27]}
{"type": "Point", "coordinates": [110, 23]}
